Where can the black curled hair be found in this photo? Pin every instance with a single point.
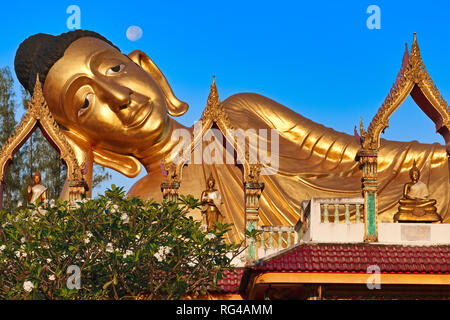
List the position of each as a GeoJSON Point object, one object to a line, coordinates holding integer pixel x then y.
{"type": "Point", "coordinates": [38, 53]}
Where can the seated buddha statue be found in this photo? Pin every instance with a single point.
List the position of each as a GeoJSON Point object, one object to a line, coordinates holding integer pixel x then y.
{"type": "Point", "coordinates": [415, 206]}
{"type": "Point", "coordinates": [120, 111]}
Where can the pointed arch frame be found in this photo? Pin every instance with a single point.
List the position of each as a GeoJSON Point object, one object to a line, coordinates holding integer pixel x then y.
{"type": "Point", "coordinates": [39, 115]}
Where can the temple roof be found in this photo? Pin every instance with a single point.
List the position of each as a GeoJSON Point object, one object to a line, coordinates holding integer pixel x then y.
{"type": "Point", "coordinates": [355, 258]}
{"type": "Point", "coordinates": [230, 281]}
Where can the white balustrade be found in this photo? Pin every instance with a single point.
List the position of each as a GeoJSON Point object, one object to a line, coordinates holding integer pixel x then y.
{"type": "Point", "coordinates": [275, 238]}
{"type": "Point", "coordinates": [334, 220]}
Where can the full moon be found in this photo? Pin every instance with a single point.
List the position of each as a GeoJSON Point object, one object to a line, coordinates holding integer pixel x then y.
{"type": "Point", "coordinates": [134, 33]}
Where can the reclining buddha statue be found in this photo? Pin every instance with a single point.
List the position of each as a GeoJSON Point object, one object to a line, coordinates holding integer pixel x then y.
{"type": "Point", "coordinates": [120, 110]}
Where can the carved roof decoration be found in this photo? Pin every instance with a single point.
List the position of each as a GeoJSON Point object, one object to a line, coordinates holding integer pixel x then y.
{"type": "Point", "coordinates": [214, 113]}
{"type": "Point", "coordinates": [38, 114]}
{"type": "Point", "coordinates": [413, 79]}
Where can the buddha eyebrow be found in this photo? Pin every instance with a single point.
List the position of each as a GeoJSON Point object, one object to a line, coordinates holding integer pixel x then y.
{"type": "Point", "coordinates": [96, 55]}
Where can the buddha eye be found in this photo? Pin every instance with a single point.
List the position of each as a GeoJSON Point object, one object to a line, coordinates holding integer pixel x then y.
{"type": "Point", "coordinates": [86, 104]}
{"type": "Point", "coordinates": [115, 69]}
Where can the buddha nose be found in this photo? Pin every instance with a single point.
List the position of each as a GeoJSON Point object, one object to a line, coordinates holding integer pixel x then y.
{"type": "Point", "coordinates": [116, 96]}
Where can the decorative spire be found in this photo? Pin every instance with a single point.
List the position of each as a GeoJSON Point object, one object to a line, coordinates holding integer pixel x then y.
{"type": "Point", "coordinates": [214, 110]}
{"type": "Point", "coordinates": [415, 58]}
{"type": "Point", "coordinates": [213, 98]}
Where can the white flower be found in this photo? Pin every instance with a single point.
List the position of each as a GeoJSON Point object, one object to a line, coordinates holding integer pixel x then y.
{"type": "Point", "coordinates": [89, 235]}
{"type": "Point", "coordinates": [158, 256]}
{"type": "Point", "coordinates": [165, 249]}
{"type": "Point", "coordinates": [109, 248]}
{"type": "Point", "coordinates": [52, 203]}
{"type": "Point", "coordinates": [210, 236]}
{"type": "Point", "coordinates": [17, 253]}
{"type": "Point", "coordinates": [49, 260]}
{"type": "Point", "coordinates": [114, 209]}
{"type": "Point", "coordinates": [22, 239]}
{"type": "Point", "coordinates": [2, 247]}
{"type": "Point", "coordinates": [124, 217]}
{"type": "Point", "coordinates": [127, 253]}
{"type": "Point", "coordinates": [19, 203]}
{"type": "Point", "coordinates": [52, 277]}
{"type": "Point", "coordinates": [28, 286]}
{"type": "Point", "coordinates": [162, 252]}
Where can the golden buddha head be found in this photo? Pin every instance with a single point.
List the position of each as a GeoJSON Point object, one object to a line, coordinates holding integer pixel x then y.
{"type": "Point", "coordinates": [414, 173]}
{"type": "Point", "coordinates": [37, 177]}
{"type": "Point", "coordinates": [211, 182]}
{"type": "Point", "coordinates": [107, 101]}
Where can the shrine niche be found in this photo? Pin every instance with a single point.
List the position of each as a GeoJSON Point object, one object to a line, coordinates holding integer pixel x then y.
{"type": "Point", "coordinates": [412, 79]}
{"type": "Point", "coordinates": [214, 116]}
{"type": "Point", "coordinates": [38, 115]}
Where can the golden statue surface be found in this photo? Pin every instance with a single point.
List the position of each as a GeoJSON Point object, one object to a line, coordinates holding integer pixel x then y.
{"type": "Point", "coordinates": [212, 201]}
{"type": "Point", "coordinates": [415, 206]}
{"type": "Point", "coordinates": [118, 109]}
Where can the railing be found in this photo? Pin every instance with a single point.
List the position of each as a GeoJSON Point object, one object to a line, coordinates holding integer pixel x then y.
{"type": "Point", "coordinates": [344, 208]}
{"type": "Point", "coordinates": [275, 238]}
{"type": "Point", "coordinates": [334, 220]}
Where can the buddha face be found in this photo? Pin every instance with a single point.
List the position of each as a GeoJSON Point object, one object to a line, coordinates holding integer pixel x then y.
{"type": "Point", "coordinates": [103, 96]}
{"type": "Point", "coordinates": [37, 179]}
{"type": "Point", "coordinates": [211, 183]}
{"type": "Point", "coordinates": [415, 175]}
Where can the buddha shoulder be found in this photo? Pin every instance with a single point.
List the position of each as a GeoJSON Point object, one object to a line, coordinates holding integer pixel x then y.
{"type": "Point", "coordinates": [251, 109]}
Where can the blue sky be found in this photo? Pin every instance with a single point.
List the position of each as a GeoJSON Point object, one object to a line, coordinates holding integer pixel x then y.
{"type": "Point", "coordinates": [316, 57]}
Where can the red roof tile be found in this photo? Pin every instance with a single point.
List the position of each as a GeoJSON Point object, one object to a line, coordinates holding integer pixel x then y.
{"type": "Point", "coordinates": [230, 281]}
{"type": "Point", "coordinates": [357, 257]}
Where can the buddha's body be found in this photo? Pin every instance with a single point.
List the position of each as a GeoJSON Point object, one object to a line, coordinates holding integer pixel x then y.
{"type": "Point", "coordinates": [315, 161]}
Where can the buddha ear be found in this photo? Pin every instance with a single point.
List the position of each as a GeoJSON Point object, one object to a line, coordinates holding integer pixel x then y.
{"type": "Point", "coordinates": [125, 164]}
{"type": "Point", "coordinates": [175, 107]}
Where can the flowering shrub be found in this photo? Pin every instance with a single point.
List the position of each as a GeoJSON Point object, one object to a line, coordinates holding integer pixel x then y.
{"type": "Point", "coordinates": [124, 248]}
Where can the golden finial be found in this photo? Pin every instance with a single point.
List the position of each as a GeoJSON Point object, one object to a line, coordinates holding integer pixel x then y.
{"type": "Point", "coordinates": [362, 132]}
{"type": "Point", "coordinates": [415, 59]}
{"type": "Point", "coordinates": [213, 97]}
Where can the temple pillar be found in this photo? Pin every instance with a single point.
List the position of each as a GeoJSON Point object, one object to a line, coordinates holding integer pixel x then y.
{"type": "Point", "coordinates": [78, 189]}
{"type": "Point", "coordinates": [253, 190]}
{"type": "Point", "coordinates": [368, 164]}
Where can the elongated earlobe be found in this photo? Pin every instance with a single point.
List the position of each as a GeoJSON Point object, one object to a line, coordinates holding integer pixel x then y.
{"type": "Point", "coordinates": [175, 107]}
{"type": "Point", "coordinates": [125, 164]}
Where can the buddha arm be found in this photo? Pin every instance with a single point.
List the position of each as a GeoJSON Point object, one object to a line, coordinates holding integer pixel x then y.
{"type": "Point", "coordinates": [406, 189]}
